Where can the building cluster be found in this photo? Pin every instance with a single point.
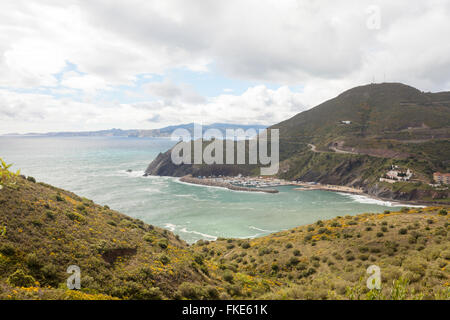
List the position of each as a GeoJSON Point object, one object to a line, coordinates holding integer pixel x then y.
{"type": "Point", "coordinates": [441, 178]}
{"type": "Point", "coordinates": [396, 175]}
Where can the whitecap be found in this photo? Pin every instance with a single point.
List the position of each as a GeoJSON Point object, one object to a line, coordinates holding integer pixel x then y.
{"type": "Point", "coordinates": [199, 233]}
{"type": "Point", "coordinates": [258, 229]}
{"type": "Point", "coordinates": [368, 200]}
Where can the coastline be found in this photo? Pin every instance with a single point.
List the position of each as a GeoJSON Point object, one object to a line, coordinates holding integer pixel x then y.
{"type": "Point", "coordinates": [349, 190]}
{"type": "Point", "coordinates": [327, 187]}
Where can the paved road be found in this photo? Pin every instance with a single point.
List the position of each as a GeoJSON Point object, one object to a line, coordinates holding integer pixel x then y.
{"type": "Point", "coordinates": [314, 149]}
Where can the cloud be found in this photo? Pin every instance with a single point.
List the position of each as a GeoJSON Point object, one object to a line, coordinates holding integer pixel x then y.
{"type": "Point", "coordinates": [32, 112]}
{"type": "Point", "coordinates": [323, 47]}
{"type": "Point", "coordinates": [170, 91]}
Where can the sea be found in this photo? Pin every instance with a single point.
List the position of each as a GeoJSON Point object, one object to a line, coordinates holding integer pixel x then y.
{"type": "Point", "coordinates": [98, 168]}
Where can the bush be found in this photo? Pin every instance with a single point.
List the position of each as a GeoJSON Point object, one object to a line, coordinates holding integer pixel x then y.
{"type": "Point", "coordinates": [74, 216]}
{"type": "Point", "coordinates": [380, 234]}
{"type": "Point", "coordinates": [289, 245]}
{"type": "Point", "coordinates": [198, 258]}
{"type": "Point", "coordinates": [50, 214]}
{"type": "Point", "coordinates": [191, 291]}
{"type": "Point", "coordinates": [7, 250]}
{"type": "Point", "coordinates": [151, 294]}
{"type": "Point", "coordinates": [163, 243]}
{"type": "Point", "coordinates": [31, 179]}
{"type": "Point", "coordinates": [164, 259]}
{"type": "Point", "coordinates": [228, 276]}
{"type": "Point", "coordinates": [33, 261]}
{"type": "Point", "coordinates": [20, 279]}
{"type": "Point", "coordinates": [403, 231]}
{"type": "Point", "coordinates": [297, 253]}
{"type": "Point", "coordinates": [245, 245]}
{"type": "Point", "coordinates": [443, 212]}
{"type": "Point", "coordinates": [293, 261]}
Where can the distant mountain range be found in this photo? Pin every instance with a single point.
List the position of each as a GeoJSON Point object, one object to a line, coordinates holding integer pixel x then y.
{"type": "Point", "coordinates": [141, 133]}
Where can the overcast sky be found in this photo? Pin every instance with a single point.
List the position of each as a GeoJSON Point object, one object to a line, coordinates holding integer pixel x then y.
{"type": "Point", "coordinates": [88, 65]}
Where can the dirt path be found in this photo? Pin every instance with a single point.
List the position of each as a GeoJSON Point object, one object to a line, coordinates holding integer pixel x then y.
{"type": "Point", "coordinates": [336, 150]}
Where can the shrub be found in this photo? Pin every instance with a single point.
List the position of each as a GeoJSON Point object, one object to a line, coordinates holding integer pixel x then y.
{"type": "Point", "coordinates": [20, 279]}
{"type": "Point", "coordinates": [228, 276]}
{"type": "Point", "coordinates": [363, 249]}
{"type": "Point", "coordinates": [198, 258]}
{"type": "Point", "coordinates": [293, 261]}
{"type": "Point", "coordinates": [297, 253]}
{"type": "Point", "coordinates": [349, 257]}
{"type": "Point", "coordinates": [164, 259]}
{"type": "Point", "coordinates": [163, 243]}
{"type": "Point", "coordinates": [380, 234]}
{"type": "Point", "coordinates": [151, 294]}
{"type": "Point", "coordinates": [308, 237]}
{"type": "Point", "coordinates": [212, 292]}
{"type": "Point", "coordinates": [335, 224]}
{"type": "Point", "coordinates": [245, 245]}
{"type": "Point", "coordinates": [33, 261]}
{"type": "Point", "coordinates": [275, 267]}
{"type": "Point", "coordinates": [230, 246]}
{"type": "Point", "coordinates": [7, 250]}
{"type": "Point", "coordinates": [31, 179]}
{"type": "Point", "coordinates": [50, 214]}
{"type": "Point", "coordinates": [190, 290]}
{"type": "Point", "coordinates": [403, 231]}
{"type": "Point", "coordinates": [443, 212]}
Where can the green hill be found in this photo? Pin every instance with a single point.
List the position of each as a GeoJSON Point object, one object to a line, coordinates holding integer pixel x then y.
{"type": "Point", "coordinates": [354, 139]}
{"type": "Point", "coordinates": [44, 229]}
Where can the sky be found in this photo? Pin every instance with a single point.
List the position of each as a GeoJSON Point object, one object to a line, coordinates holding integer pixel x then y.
{"type": "Point", "coordinates": [92, 65]}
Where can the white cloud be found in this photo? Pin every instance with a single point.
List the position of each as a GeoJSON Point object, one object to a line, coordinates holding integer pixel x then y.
{"type": "Point", "coordinates": [31, 112]}
{"type": "Point", "coordinates": [324, 46]}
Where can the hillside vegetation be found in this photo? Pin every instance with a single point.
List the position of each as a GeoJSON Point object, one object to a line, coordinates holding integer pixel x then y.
{"type": "Point", "coordinates": [43, 230]}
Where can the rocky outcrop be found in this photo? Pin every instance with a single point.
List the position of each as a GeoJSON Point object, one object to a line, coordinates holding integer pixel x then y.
{"type": "Point", "coordinates": [163, 166]}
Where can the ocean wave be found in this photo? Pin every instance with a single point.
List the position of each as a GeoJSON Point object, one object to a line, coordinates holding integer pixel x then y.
{"type": "Point", "coordinates": [152, 190]}
{"type": "Point", "coordinates": [132, 174]}
{"type": "Point", "coordinates": [170, 226]}
{"type": "Point", "coordinates": [199, 233]}
{"type": "Point", "coordinates": [262, 230]}
{"type": "Point", "coordinates": [368, 200]}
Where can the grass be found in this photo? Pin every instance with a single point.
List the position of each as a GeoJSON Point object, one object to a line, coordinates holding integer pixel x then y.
{"type": "Point", "coordinates": [44, 229]}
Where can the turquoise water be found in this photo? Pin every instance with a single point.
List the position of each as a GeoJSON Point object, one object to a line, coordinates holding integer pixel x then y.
{"type": "Point", "coordinates": [96, 168]}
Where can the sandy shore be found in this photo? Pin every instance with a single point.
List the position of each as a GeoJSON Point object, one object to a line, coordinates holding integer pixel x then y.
{"type": "Point", "coordinates": [212, 183]}
{"type": "Point", "coordinates": [327, 187]}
